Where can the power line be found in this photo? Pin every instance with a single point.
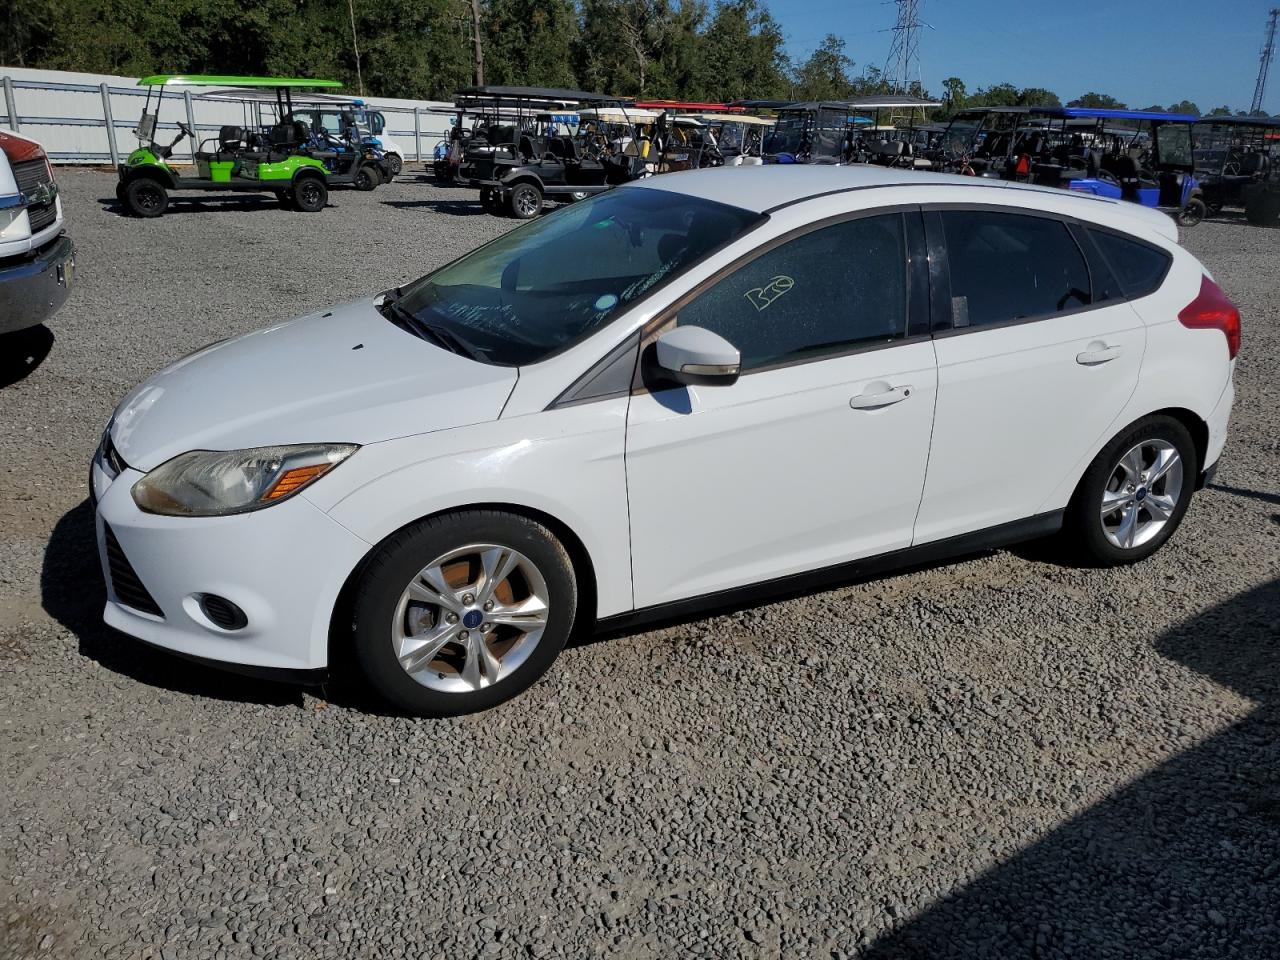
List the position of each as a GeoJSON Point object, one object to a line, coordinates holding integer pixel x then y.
{"type": "Point", "coordinates": [902, 68]}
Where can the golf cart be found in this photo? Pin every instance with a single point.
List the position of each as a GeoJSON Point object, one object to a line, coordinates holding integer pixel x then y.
{"type": "Point", "coordinates": [1236, 160]}
{"type": "Point", "coordinates": [501, 116]}
{"type": "Point", "coordinates": [282, 160]}
{"type": "Point", "coordinates": [979, 142]}
{"type": "Point", "coordinates": [812, 132]}
{"type": "Point", "coordinates": [736, 137]}
{"type": "Point", "coordinates": [334, 132]}
{"type": "Point", "coordinates": [604, 152]}
{"type": "Point", "coordinates": [1142, 156]}
{"type": "Point", "coordinates": [884, 140]}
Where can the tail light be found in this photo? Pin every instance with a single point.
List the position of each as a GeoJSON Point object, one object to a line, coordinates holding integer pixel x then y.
{"type": "Point", "coordinates": [1213, 310]}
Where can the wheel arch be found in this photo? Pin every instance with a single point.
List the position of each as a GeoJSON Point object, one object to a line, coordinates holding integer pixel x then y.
{"type": "Point", "coordinates": [339, 646]}
{"type": "Point", "coordinates": [309, 171]}
{"type": "Point", "coordinates": [151, 172]}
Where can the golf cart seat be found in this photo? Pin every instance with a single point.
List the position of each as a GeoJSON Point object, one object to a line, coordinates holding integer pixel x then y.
{"type": "Point", "coordinates": [1253, 164]}
{"type": "Point", "coordinates": [563, 148]}
{"type": "Point", "coordinates": [533, 148]}
{"type": "Point", "coordinates": [288, 135]}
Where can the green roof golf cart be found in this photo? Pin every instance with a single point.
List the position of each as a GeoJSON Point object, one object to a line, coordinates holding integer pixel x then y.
{"type": "Point", "coordinates": [280, 159]}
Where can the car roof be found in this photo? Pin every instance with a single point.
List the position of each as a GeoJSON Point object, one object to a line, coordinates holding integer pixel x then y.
{"type": "Point", "coordinates": [767, 187]}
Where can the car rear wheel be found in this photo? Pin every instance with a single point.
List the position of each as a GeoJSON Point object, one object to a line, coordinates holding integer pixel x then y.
{"type": "Point", "coordinates": [310, 194]}
{"type": "Point", "coordinates": [462, 612]}
{"type": "Point", "coordinates": [146, 197]}
{"type": "Point", "coordinates": [525, 201]}
{"type": "Point", "coordinates": [395, 163]}
{"type": "Point", "coordinates": [1134, 494]}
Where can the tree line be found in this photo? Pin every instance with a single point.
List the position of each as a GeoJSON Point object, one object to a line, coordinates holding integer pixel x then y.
{"type": "Point", "coordinates": [712, 50]}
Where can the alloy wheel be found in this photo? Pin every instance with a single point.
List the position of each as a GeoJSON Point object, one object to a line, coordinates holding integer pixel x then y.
{"type": "Point", "coordinates": [1141, 494]}
{"type": "Point", "coordinates": [528, 202]}
{"type": "Point", "coordinates": [470, 618]}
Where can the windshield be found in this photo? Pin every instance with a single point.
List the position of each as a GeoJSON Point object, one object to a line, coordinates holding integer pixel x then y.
{"type": "Point", "coordinates": [788, 134]}
{"type": "Point", "coordinates": [957, 141]}
{"type": "Point", "coordinates": [545, 286]}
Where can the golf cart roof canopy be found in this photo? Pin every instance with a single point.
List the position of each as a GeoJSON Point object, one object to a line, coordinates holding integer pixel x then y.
{"type": "Point", "coordinates": [1101, 113]}
{"type": "Point", "coordinates": [891, 101]}
{"type": "Point", "coordinates": [735, 118]}
{"type": "Point", "coordinates": [1268, 123]}
{"type": "Point", "coordinates": [257, 95]}
{"type": "Point", "coordinates": [982, 111]}
{"type": "Point", "coordinates": [206, 80]}
{"type": "Point", "coordinates": [514, 95]}
{"type": "Point", "coordinates": [620, 115]}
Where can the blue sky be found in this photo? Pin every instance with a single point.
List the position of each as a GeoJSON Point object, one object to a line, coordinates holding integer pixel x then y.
{"type": "Point", "coordinates": [1139, 52]}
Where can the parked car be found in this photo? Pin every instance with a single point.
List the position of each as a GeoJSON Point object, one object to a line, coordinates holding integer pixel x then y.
{"type": "Point", "coordinates": [689, 392]}
{"type": "Point", "coordinates": [37, 258]}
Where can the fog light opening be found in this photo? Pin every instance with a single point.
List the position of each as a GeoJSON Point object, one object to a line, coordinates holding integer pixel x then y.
{"type": "Point", "coordinates": [222, 612]}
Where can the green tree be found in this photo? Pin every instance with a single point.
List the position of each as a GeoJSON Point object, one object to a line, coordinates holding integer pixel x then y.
{"type": "Point", "coordinates": [1183, 106]}
{"type": "Point", "coordinates": [957, 95]}
{"type": "Point", "coordinates": [1223, 111]}
{"type": "Point", "coordinates": [1037, 97]}
{"type": "Point", "coordinates": [739, 55]}
{"type": "Point", "coordinates": [825, 75]}
{"type": "Point", "coordinates": [530, 42]}
{"type": "Point", "coordinates": [1097, 101]}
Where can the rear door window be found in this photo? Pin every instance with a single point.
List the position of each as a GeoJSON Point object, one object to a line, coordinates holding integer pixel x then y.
{"type": "Point", "coordinates": [1008, 267]}
{"type": "Point", "coordinates": [1139, 267]}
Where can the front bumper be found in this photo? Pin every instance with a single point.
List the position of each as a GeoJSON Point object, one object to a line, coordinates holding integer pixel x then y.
{"type": "Point", "coordinates": [283, 566]}
{"type": "Point", "coordinates": [34, 288]}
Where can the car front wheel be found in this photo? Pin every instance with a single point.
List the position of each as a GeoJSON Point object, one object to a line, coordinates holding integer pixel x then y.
{"type": "Point", "coordinates": [1134, 494]}
{"type": "Point", "coordinates": [461, 612]}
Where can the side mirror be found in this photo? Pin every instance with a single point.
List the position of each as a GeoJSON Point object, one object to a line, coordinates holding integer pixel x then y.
{"type": "Point", "coordinates": [696, 356]}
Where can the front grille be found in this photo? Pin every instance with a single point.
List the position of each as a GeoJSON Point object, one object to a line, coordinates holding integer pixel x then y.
{"type": "Point", "coordinates": [31, 175]}
{"type": "Point", "coordinates": [124, 580]}
{"type": "Point", "coordinates": [223, 612]}
{"type": "Point", "coordinates": [111, 456]}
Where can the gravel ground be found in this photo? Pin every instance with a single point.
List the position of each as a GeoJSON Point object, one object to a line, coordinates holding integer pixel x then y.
{"type": "Point", "coordinates": [1001, 757]}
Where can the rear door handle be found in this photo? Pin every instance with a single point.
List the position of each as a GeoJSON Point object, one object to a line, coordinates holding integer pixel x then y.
{"type": "Point", "coordinates": [879, 395]}
{"type": "Point", "coordinates": [1098, 352]}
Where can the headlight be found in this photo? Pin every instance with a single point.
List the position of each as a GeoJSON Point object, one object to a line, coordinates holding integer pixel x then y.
{"type": "Point", "coordinates": [13, 224]}
{"type": "Point", "coordinates": [211, 483]}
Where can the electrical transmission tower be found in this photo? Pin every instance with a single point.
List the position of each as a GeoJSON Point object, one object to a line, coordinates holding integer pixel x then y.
{"type": "Point", "coordinates": [1268, 54]}
{"type": "Point", "coordinates": [902, 68]}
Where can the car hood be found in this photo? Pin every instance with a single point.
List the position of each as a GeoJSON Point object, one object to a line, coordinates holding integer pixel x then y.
{"type": "Point", "coordinates": [344, 375]}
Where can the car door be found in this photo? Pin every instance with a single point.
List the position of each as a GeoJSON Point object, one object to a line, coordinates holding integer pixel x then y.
{"type": "Point", "coordinates": [816, 454]}
{"type": "Point", "coordinates": [1036, 360]}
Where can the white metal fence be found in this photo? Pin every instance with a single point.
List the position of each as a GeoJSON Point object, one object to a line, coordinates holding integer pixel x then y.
{"type": "Point", "coordinates": [90, 118]}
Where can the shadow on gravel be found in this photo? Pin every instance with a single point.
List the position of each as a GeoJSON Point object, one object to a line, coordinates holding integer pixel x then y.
{"type": "Point", "coordinates": [454, 208]}
{"type": "Point", "coordinates": [1185, 862]}
{"type": "Point", "coordinates": [212, 202]}
{"type": "Point", "coordinates": [22, 352]}
{"type": "Point", "coordinates": [1244, 492]}
{"type": "Point", "coordinates": [72, 591]}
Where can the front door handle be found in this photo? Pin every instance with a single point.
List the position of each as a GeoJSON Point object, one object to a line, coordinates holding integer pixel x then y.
{"type": "Point", "coordinates": [879, 395]}
{"type": "Point", "coordinates": [1098, 352]}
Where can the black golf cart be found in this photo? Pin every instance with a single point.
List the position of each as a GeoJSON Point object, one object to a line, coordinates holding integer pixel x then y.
{"type": "Point", "coordinates": [547, 160]}
{"type": "Point", "coordinates": [810, 132]}
{"type": "Point", "coordinates": [1236, 161]}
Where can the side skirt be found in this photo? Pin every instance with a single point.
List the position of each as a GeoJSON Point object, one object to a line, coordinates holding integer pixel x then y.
{"type": "Point", "coordinates": [867, 568]}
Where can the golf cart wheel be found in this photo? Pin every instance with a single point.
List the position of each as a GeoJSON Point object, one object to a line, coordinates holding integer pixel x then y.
{"type": "Point", "coordinates": [367, 178]}
{"type": "Point", "coordinates": [310, 194]}
{"type": "Point", "coordinates": [146, 197]}
{"type": "Point", "coordinates": [1193, 213]}
{"type": "Point", "coordinates": [578, 195]}
{"type": "Point", "coordinates": [395, 163]}
{"type": "Point", "coordinates": [525, 201]}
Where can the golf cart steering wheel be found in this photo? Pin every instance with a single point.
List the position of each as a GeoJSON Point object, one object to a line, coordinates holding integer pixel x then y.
{"type": "Point", "coordinates": [186, 131]}
{"type": "Point", "coordinates": [1231, 169]}
{"type": "Point", "coordinates": [1108, 177]}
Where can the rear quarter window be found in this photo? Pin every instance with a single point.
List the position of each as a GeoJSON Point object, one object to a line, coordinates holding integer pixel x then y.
{"type": "Point", "coordinates": [1139, 267]}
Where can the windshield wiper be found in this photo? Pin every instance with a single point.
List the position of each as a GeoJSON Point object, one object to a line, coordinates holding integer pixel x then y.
{"type": "Point", "coordinates": [440, 336]}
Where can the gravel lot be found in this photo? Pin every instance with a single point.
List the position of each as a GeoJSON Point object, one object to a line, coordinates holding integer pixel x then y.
{"type": "Point", "coordinates": [997, 758]}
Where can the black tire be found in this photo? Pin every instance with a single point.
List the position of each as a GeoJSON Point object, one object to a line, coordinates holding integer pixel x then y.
{"type": "Point", "coordinates": [399, 559]}
{"type": "Point", "coordinates": [524, 200]}
{"type": "Point", "coordinates": [310, 194]}
{"type": "Point", "coordinates": [1193, 213]}
{"type": "Point", "coordinates": [395, 164]}
{"type": "Point", "coordinates": [367, 178]}
{"type": "Point", "coordinates": [146, 197]}
{"type": "Point", "coordinates": [1083, 526]}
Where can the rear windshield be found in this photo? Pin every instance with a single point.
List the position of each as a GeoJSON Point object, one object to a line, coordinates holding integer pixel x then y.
{"type": "Point", "coordinates": [550, 283]}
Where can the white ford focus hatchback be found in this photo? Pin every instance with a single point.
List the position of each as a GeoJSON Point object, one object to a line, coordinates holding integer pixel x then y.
{"type": "Point", "coordinates": [686, 392]}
